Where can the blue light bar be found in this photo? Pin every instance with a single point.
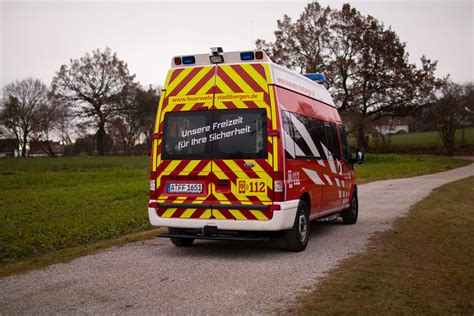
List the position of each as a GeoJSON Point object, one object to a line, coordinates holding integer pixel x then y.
{"type": "Point", "coordinates": [315, 77]}
{"type": "Point", "coordinates": [247, 56]}
{"type": "Point", "coordinates": [189, 60]}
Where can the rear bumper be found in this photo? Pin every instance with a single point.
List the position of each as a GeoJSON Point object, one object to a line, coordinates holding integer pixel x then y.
{"type": "Point", "coordinates": [281, 220]}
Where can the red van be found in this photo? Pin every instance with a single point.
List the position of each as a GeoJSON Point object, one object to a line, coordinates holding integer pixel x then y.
{"type": "Point", "coordinates": [243, 147]}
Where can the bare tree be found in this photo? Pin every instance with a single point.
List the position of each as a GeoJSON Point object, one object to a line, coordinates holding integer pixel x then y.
{"type": "Point", "coordinates": [20, 113]}
{"type": "Point", "coordinates": [92, 84]}
{"type": "Point", "coordinates": [136, 109]}
{"type": "Point", "coordinates": [451, 109]}
{"type": "Point", "coordinates": [366, 64]}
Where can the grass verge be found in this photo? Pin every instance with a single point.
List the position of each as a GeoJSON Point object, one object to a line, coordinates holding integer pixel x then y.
{"type": "Point", "coordinates": [390, 166]}
{"type": "Point", "coordinates": [422, 266]}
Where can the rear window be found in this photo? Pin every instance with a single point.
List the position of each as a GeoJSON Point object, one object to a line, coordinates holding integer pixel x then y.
{"type": "Point", "coordinates": [222, 134]}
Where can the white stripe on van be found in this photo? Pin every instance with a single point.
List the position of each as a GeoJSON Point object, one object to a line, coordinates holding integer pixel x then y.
{"type": "Point", "coordinates": [328, 179]}
{"type": "Point", "coordinates": [313, 175]}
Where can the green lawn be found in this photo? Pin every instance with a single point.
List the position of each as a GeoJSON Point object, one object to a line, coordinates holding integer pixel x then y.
{"type": "Point", "coordinates": [387, 166]}
{"type": "Point", "coordinates": [423, 139]}
{"type": "Point", "coordinates": [431, 139]}
{"type": "Point", "coordinates": [52, 205]}
{"type": "Point", "coordinates": [423, 266]}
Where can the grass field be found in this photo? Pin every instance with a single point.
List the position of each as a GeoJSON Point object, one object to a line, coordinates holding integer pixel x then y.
{"type": "Point", "coordinates": [388, 166]}
{"type": "Point", "coordinates": [425, 139]}
{"type": "Point", "coordinates": [50, 205]}
{"type": "Point", "coordinates": [423, 266]}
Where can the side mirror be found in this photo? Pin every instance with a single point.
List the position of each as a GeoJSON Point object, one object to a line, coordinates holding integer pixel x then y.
{"type": "Point", "coordinates": [360, 155]}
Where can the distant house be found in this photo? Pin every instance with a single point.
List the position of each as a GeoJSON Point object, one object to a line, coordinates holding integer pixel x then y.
{"type": "Point", "coordinates": [389, 125]}
{"type": "Point", "coordinates": [9, 147]}
{"type": "Point", "coordinates": [46, 148]}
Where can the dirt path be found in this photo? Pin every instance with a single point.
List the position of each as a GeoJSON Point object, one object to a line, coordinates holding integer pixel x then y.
{"type": "Point", "coordinates": [212, 277]}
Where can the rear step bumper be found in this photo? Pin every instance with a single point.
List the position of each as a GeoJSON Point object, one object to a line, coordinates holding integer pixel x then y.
{"type": "Point", "coordinates": [215, 237]}
{"type": "Point", "coordinates": [281, 220]}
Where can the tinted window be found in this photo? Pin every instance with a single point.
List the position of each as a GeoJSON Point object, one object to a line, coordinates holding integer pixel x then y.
{"type": "Point", "coordinates": [345, 149]}
{"type": "Point", "coordinates": [185, 135]}
{"type": "Point", "coordinates": [302, 138]}
{"type": "Point", "coordinates": [335, 149]}
{"type": "Point", "coordinates": [239, 134]}
{"type": "Point", "coordinates": [223, 134]}
{"type": "Point", "coordinates": [288, 136]}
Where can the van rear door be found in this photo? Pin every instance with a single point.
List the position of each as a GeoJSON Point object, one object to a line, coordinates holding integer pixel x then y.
{"type": "Point", "coordinates": [242, 162]}
{"type": "Point", "coordinates": [183, 161]}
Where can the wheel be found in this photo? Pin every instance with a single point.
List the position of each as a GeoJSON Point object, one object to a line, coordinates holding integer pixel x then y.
{"type": "Point", "coordinates": [349, 216]}
{"type": "Point", "coordinates": [296, 238]}
{"type": "Point", "coordinates": [180, 242]}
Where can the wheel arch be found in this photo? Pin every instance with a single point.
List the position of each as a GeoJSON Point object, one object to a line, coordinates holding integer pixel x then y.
{"type": "Point", "coordinates": [307, 199]}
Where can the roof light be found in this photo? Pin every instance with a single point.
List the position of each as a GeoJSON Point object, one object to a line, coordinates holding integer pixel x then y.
{"type": "Point", "coordinates": [316, 77]}
{"type": "Point", "coordinates": [216, 59]}
{"type": "Point", "coordinates": [247, 56]}
{"type": "Point", "coordinates": [177, 60]}
{"type": "Point", "coordinates": [259, 54]}
{"type": "Point", "coordinates": [189, 60]}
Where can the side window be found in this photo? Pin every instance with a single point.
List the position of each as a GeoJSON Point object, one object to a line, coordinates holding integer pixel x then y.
{"type": "Point", "coordinates": [304, 145]}
{"type": "Point", "coordinates": [288, 135]}
{"type": "Point", "coordinates": [327, 140]}
{"type": "Point", "coordinates": [346, 155]}
{"type": "Point", "coordinates": [336, 151]}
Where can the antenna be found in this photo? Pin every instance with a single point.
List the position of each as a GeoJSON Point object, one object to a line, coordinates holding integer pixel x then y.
{"type": "Point", "coordinates": [251, 35]}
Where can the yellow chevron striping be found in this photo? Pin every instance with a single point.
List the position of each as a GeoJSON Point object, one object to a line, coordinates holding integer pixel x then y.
{"type": "Point", "coordinates": [169, 212]}
{"type": "Point", "coordinates": [189, 167]}
{"type": "Point", "coordinates": [259, 215]}
{"type": "Point", "coordinates": [173, 164]}
{"type": "Point", "coordinates": [188, 213]}
{"type": "Point", "coordinates": [178, 79]}
{"type": "Point", "coordinates": [225, 89]}
{"type": "Point", "coordinates": [194, 80]}
{"type": "Point", "coordinates": [268, 74]}
{"type": "Point", "coordinates": [237, 214]}
{"type": "Point", "coordinates": [217, 214]}
{"type": "Point", "coordinates": [235, 168]}
{"type": "Point", "coordinates": [262, 82]}
{"type": "Point", "coordinates": [160, 106]}
{"type": "Point", "coordinates": [236, 78]}
{"type": "Point", "coordinates": [153, 155]}
{"type": "Point", "coordinates": [167, 81]}
{"type": "Point", "coordinates": [206, 214]}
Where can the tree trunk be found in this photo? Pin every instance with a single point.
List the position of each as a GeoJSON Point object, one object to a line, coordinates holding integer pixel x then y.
{"type": "Point", "coordinates": [362, 139]}
{"type": "Point", "coordinates": [101, 138]}
{"type": "Point", "coordinates": [23, 145]}
{"type": "Point", "coordinates": [448, 137]}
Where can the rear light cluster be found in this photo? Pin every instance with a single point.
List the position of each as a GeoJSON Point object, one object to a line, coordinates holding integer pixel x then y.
{"type": "Point", "coordinates": [152, 185]}
{"type": "Point", "coordinates": [278, 187]}
{"type": "Point", "coordinates": [251, 55]}
{"type": "Point", "coordinates": [185, 60]}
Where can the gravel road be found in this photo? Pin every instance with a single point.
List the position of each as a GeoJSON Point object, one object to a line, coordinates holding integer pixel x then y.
{"type": "Point", "coordinates": [211, 277]}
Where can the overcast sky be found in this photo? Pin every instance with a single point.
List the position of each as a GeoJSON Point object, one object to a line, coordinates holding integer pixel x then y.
{"type": "Point", "coordinates": [38, 37]}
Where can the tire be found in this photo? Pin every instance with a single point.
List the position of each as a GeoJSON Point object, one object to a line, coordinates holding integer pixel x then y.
{"type": "Point", "coordinates": [296, 238]}
{"type": "Point", "coordinates": [350, 215]}
{"type": "Point", "coordinates": [180, 242]}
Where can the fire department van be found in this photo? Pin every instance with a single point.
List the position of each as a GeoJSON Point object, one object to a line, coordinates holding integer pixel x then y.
{"type": "Point", "coordinates": [244, 149]}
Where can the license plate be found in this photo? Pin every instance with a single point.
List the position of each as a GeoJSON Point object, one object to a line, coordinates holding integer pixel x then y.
{"type": "Point", "coordinates": [185, 188]}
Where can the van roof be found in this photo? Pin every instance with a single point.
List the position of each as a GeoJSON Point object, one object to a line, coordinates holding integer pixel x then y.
{"type": "Point", "coordinates": [280, 76]}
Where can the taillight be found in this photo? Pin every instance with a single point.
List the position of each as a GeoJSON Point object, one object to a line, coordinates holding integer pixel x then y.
{"type": "Point", "coordinates": [152, 185]}
{"type": "Point", "coordinates": [278, 187]}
